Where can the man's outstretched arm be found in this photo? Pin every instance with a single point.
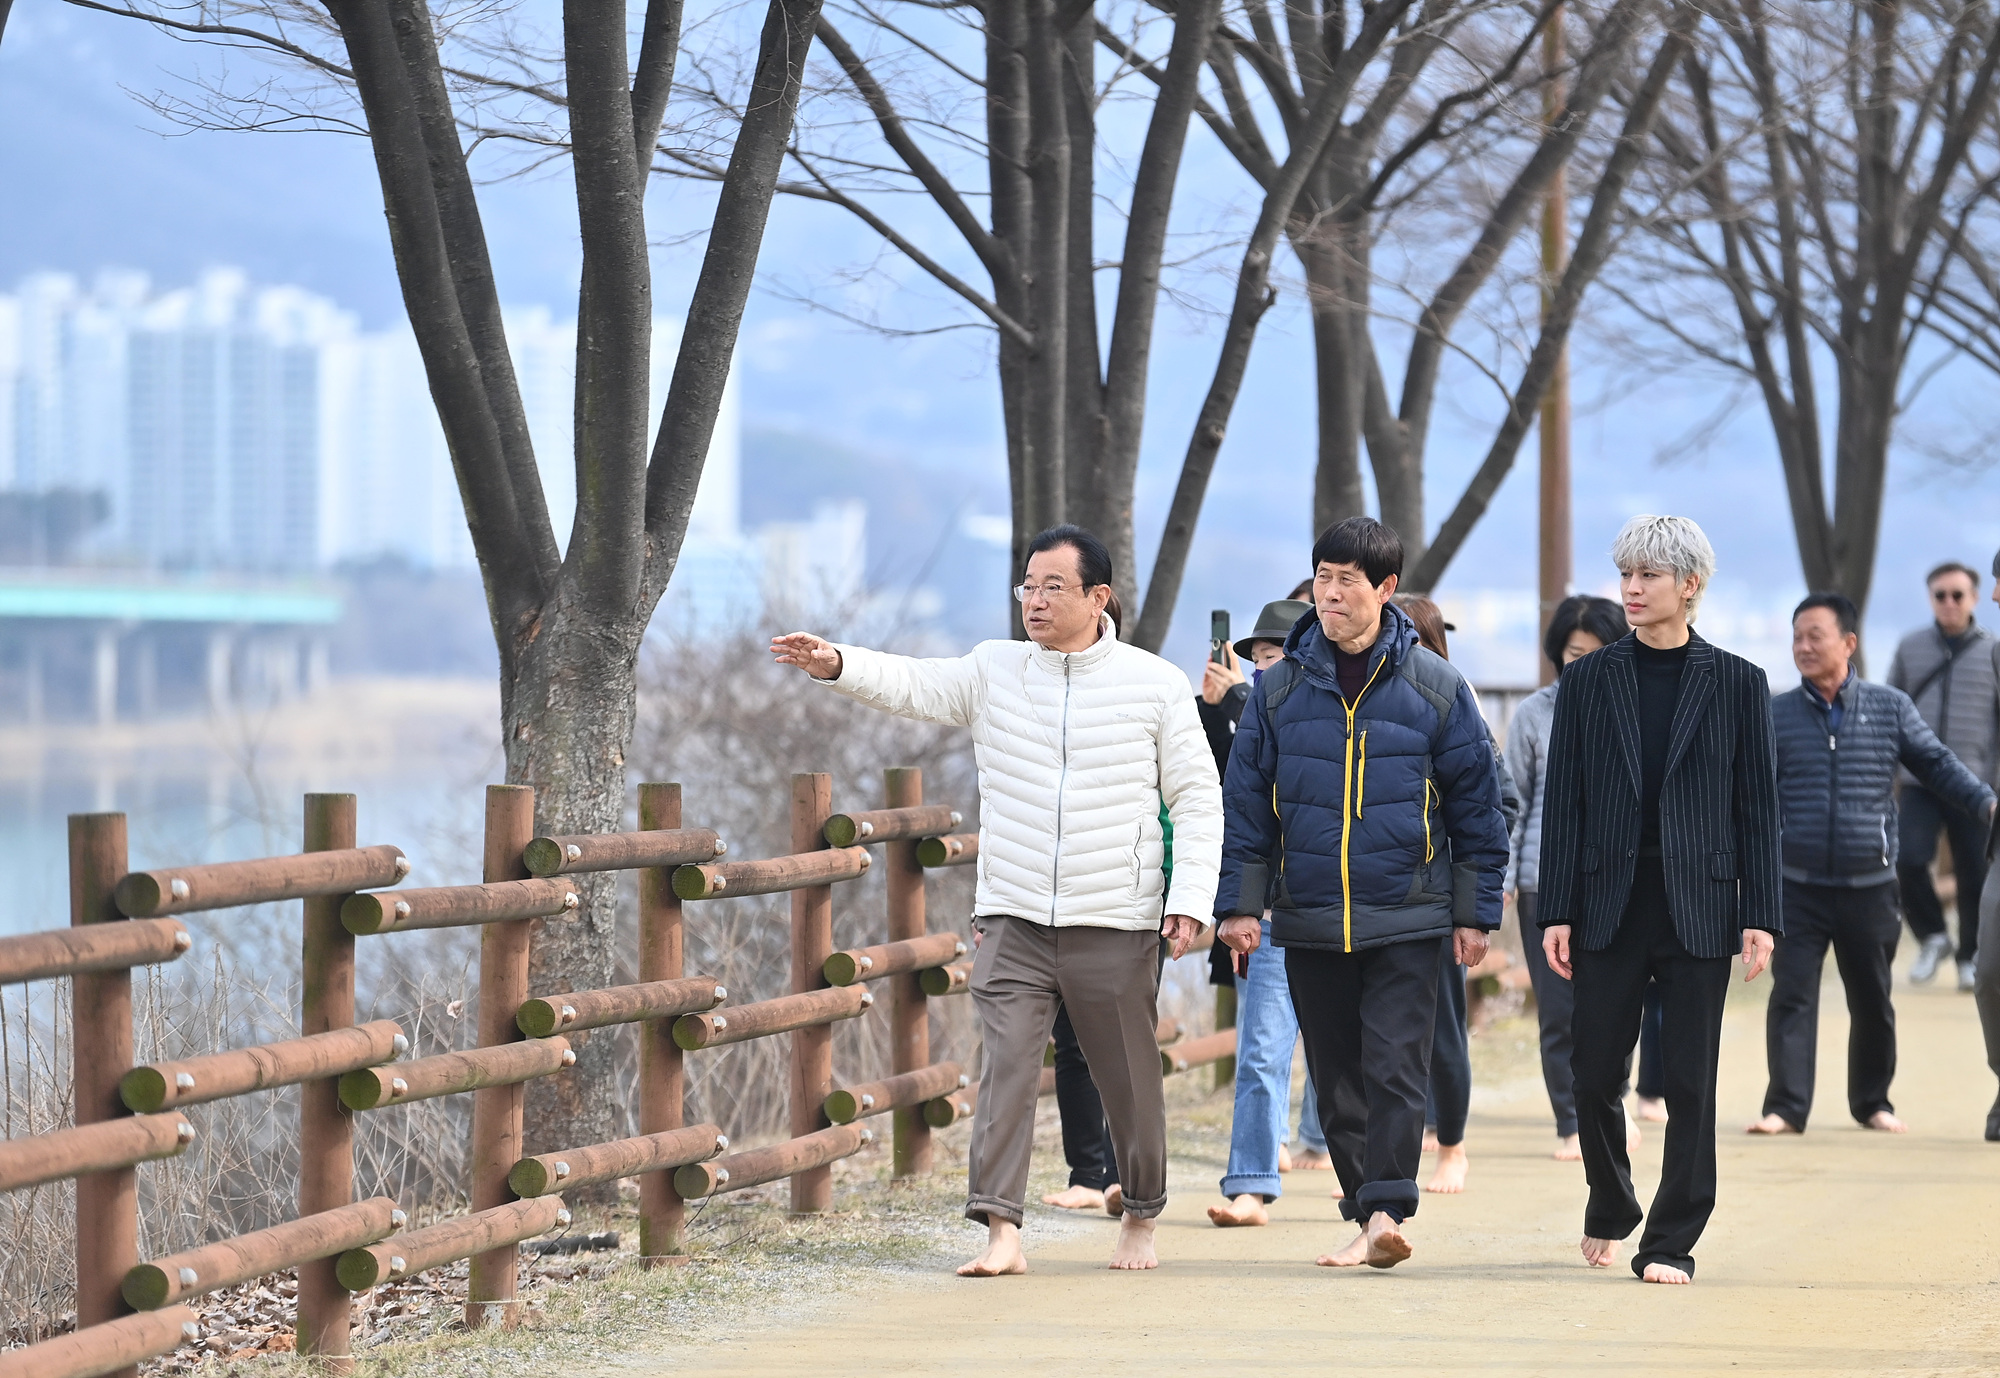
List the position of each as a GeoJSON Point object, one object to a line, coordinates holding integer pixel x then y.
{"type": "Point", "coordinates": [942, 690]}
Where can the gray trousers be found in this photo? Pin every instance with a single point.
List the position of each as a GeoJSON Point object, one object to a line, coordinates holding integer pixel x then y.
{"type": "Point", "coordinates": [1986, 982]}
{"type": "Point", "coordinates": [1108, 981]}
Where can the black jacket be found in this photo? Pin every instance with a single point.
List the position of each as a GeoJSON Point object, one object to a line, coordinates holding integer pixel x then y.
{"type": "Point", "coordinates": [1718, 805]}
{"type": "Point", "coordinates": [1834, 788]}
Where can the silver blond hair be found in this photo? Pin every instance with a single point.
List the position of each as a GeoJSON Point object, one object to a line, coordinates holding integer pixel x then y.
{"type": "Point", "coordinates": [1669, 543]}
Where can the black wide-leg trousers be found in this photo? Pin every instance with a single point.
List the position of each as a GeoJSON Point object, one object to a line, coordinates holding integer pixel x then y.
{"type": "Point", "coordinates": [1367, 1019]}
{"type": "Point", "coordinates": [1610, 1001]}
{"type": "Point", "coordinates": [1862, 927]}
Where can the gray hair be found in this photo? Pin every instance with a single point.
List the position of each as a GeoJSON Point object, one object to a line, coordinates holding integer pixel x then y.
{"type": "Point", "coordinates": [1671, 543]}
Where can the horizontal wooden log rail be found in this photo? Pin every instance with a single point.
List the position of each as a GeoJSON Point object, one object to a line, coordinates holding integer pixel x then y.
{"type": "Point", "coordinates": [760, 1165]}
{"type": "Point", "coordinates": [593, 1009]}
{"type": "Point", "coordinates": [959, 849]}
{"type": "Point", "coordinates": [892, 959]}
{"type": "Point", "coordinates": [454, 906]}
{"type": "Point", "coordinates": [226, 884]}
{"type": "Point", "coordinates": [779, 873]}
{"type": "Point", "coordinates": [92, 947]}
{"type": "Point", "coordinates": [501, 1064]}
{"type": "Point", "coordinates": [586, 1167]}
{"type": "Point", "coordinates": [216, 1076]}
{"type": "Point", "coordinates": [889, 825]}
{"type": "Point", "coordinates": [448, 1241]}
{"type": "Point", "coordinates": [103, 1348]}
{"type": "Point", "coordinates": [561, 856]}
{"type": "Point", "coordinates": [740, 1022]}
{"type": "Point", "coordinates": [954, 1106]}
{"type": "Point", "coordinates": [88, 1148]}
{"type": "Point", "coordinates": [955, 979]}
{"type": "Point", "coordinates": [851, 1103]}
{"type": "Point", "coordinates": [227, 1262]}
{"type": "Point", "coordinates": [1197, 1052]}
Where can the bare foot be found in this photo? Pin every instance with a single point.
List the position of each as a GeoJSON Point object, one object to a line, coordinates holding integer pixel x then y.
{"type": "Point", "coordinates": [1632, 1136]}
{"type": "Point", "coordinates": [1114, 1201]}
{"type": "Point", "coordinates": [1450, 1176]}
{"type": "Point", "coordinates": [1134, 1250]}
{"type": "Point", "coordinates": [1665, 1272]}
{"type": "Point", "coordinates": [1284, 1159]}
{"type": "Point", "coordinates": [1886, 1121]}
{"type": "Point", "coordinates": [1430, 1140]}
{"type": "Point", "coordinates": [1569, 1149]}
{"type": "Point", "coordinates": [1652, 1109]}
{"type": "Point", "coordinates": [1338, 1193]}
{"type": "Point", "coordinates": [1003, 1254]}
{"type": "Point", "coordinates": [1076, 1199]}
{"type": "Point", "coordinates": [1770, 1124]}
{"type": "Point", "coordinates": [1599, 1253]}
{"type": "Point", "coordinates": [1312, 1160]}
{"type": "Point", "coordinates": [1247, 1209]}
{"type": "Point", "coordinates": [1353, 1256]}
{"type": "Point", "coordinates": [1386, 1245]}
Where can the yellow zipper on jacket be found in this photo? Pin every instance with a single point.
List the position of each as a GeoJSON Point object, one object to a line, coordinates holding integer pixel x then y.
{"type": "Point", "coordinates": [1350, 809]}
{"type": "Point", "coordinates": [1361, 786]}
{"type": "Point", "coordinates": [1427, 822]}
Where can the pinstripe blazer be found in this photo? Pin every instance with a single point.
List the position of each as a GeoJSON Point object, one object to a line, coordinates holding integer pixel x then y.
{"type": "Point", "coordinates": [1718, 805]}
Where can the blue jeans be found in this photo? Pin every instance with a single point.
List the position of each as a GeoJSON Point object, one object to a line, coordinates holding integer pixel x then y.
{"type": "Point", "coordinates": [1266, 1034]}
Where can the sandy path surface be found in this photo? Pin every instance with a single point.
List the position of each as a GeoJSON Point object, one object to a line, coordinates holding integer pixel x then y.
{"type": "Point", "coordinates": [1842, 1252]}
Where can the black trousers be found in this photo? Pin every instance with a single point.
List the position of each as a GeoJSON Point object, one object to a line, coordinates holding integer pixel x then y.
{"type": "Point", "coordinates": [1920, 816]}
{"type": "Point", "coordinates": [1863, 928]}
{"type": "Point", "coordinates": [1555, 1010]}
{"type": "Point", "coordinates": [1450, 1099]}
{"type": "Point", "coordinates": [1610, 1002]}
{"type": "Point", "coordinates": [1367, 1019]}
{"type": "Point", "coordinates": [1085, 1134]}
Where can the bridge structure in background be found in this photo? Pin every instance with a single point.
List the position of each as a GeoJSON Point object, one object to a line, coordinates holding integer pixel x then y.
{"type": "Point", "coordinates": [98, 646]}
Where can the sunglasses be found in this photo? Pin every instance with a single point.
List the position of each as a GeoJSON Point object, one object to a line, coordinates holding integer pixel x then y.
{"type": "Point", "coordinates": [1948, 595]}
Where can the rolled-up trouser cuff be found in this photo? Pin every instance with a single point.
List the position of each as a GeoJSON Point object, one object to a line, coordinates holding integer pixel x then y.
{"type": "Point", "coordinates": [984, 1209]}
{"type": "Point", "coordinates": [1146, 1210]}
{"type": "Point", "coordinates": [1264, 1184]}
{"type": "Point", "coordinates": [1397, 1199]}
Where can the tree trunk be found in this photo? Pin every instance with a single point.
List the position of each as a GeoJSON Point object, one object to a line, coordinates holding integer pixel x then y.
{"type": "Point", "coordinates": [1043, 486]}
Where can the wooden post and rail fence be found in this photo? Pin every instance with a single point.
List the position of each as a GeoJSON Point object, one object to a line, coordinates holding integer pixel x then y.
{"type": "Point", "coordinates": [129, 1309]}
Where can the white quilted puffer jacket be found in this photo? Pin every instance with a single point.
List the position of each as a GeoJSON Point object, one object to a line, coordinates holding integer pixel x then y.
{"type": "Point", "coordinates": [1076, 753]}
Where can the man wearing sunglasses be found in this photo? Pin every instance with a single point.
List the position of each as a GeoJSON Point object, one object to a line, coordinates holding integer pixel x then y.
{"type": "Point", "coordinates": [1952, 669]}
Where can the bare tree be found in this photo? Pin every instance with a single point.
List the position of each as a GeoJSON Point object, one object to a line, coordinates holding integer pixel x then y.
{"type": "Point", "coordinates": [890, 137]}
{"type": "Point", "coordinates": [569, 624]}
{"type": "Point", "coordinates": [1338, 191]}
{"type": "Point", "coordinates": [1832, 210]}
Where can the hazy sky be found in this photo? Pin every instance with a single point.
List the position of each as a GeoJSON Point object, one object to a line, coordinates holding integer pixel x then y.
{"type": "Point", "coordinates": [94, 182]}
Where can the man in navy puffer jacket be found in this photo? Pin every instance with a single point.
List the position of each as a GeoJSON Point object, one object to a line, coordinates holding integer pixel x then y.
{"type": "Point", "coordinates": [1362, 808]}
{"type": "Point", "coordinates": [1839, 741]}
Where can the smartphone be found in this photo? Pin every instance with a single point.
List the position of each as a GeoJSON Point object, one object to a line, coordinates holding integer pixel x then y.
{"type": "Point", "coordinates": [1218, 636]}
{"type": "Point", "coordinates": [1239, 962]}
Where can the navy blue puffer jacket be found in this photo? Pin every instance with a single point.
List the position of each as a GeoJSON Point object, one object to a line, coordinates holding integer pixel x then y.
{"type": "Point", "coordinates": [1368, 824]}
{"type": "Point", "coordinates": [1834, 787]}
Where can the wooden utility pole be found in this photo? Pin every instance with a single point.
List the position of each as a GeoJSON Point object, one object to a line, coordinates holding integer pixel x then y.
{"type": "Point", "coordinates": [1555, 517]}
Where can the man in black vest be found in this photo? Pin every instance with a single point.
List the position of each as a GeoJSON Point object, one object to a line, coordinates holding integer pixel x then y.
{"type": "Point", "coordinates": [1659, 862]}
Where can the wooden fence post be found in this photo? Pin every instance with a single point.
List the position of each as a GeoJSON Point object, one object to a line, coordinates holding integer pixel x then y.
{"type": "Point", "coordinates": [661, 1083]}
{"type": "Point", "coordinates": [812, 944]}
{"type": "Point", "coordinates": [496, 1110]}
{"type": "Point", "coordinates": [326, 1131]}
{"type": "Point", "coordinates": [909, 1010]}
{"type": "Point", "coordinates": [107, 1203]}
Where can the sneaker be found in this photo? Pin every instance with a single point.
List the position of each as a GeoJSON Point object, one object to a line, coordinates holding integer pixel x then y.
{"type": "Point", "coordinates": [1967, 973]}
{"type": "Point", "coordinates": [1929, 954]}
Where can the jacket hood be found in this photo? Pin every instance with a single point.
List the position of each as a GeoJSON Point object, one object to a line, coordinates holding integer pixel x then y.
{"type": "Point", "coordinates": [1089, 658]}
{"type": "Point", "coordinates": [1309, 647]}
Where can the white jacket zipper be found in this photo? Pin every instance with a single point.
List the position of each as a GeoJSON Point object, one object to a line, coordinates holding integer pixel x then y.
{"type": "Point", "coordinates": [1062, 781]}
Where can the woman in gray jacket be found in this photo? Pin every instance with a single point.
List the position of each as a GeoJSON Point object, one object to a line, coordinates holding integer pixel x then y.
{"type": "Point", "coordinates": [1581, 624]}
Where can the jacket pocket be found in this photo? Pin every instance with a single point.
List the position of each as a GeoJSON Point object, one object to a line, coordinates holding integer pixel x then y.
{"type": "Point", "coordinates": [1589, 865]}
{"type": "Point", "coordinates": [1722, 866]}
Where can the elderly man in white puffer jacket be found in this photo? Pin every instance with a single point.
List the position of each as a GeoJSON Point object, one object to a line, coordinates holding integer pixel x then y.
{"type": "Point", "coordinates": [1080, 739]}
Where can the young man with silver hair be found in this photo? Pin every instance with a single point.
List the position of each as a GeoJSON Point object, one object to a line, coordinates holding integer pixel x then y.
{"type": "Point", "coordinates": [1659, 862]}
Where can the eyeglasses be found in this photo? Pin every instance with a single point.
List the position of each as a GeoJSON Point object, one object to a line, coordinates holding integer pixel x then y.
{"type": "Point", "coordinates": [1948, 595]}
{"type": "Point", "coordinates": [1024, 592]}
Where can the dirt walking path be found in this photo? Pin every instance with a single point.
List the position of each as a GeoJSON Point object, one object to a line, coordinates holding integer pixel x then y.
{"type": "Point", "coordinates": [1844, 1252]}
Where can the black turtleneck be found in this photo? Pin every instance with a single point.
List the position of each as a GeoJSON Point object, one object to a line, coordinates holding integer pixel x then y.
{"type": "Point", "coordinates": [1659, 692]}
